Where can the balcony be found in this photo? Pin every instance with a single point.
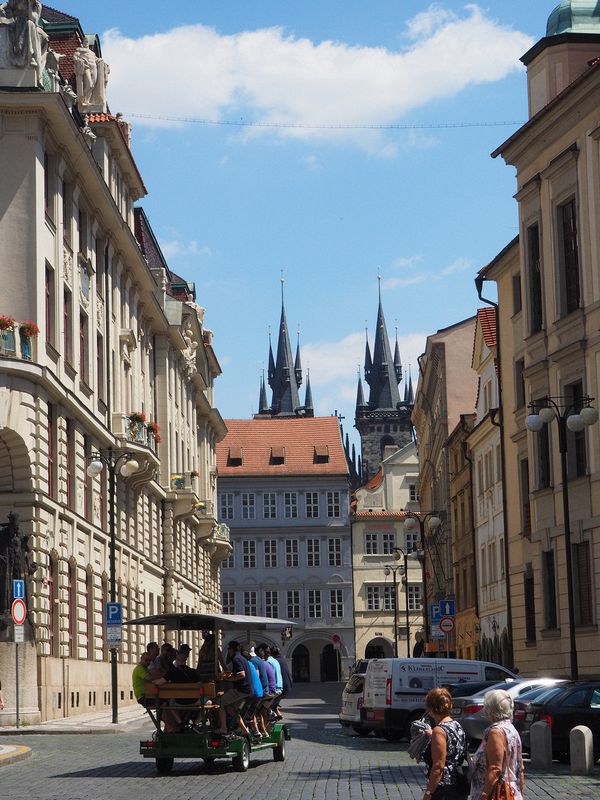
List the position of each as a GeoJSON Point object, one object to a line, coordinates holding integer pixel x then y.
{"type": "Point", "coordinates": [15, 345]}
{"type": "Point", "coordinates": [134, 432]}
{"type": "Point", "coordinates": [219, 543]}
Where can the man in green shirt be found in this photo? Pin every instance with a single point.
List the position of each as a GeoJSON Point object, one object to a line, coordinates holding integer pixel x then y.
{"type": "Point", "coordinates": [139, 677]}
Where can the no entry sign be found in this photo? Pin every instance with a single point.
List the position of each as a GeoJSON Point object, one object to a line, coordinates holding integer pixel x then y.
{"type": "Point", "coordinates": [18, 611]}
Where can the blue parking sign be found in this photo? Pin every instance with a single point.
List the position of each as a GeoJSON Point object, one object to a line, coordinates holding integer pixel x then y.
{"type": "Point", "coordinates": [114, 614]}
{"type": "Point", "coordinates": [19, 590]}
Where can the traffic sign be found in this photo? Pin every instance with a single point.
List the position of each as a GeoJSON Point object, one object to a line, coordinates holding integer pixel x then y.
{"type": "Point", "coordinates": [19, 589]}
{"type": "Point", "coordinates": [19, 634]}
{"type": "Point", "coordinates": [448, 608]}
{"type": "Point", "coordinates": [18, 611]}
{"type": "Point", "coordinates": [447, 624]}
{"type": "Point", "coordinates": [113, 614]}
{"type": "Point", "coordinates": [435, 612]}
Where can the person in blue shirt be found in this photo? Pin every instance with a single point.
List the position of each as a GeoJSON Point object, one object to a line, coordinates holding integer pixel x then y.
{"type": "Point", "coordinates": [253, 718]}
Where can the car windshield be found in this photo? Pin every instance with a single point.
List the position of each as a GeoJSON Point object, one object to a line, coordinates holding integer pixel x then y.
{"type": "Point", "coordinates": [545, 695]}
{"type": "Point", "coordinates": [467, 689]}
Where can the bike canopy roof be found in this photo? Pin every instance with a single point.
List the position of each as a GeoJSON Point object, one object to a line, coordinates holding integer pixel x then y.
{"type": "Point", "coordinates": [210, 622]}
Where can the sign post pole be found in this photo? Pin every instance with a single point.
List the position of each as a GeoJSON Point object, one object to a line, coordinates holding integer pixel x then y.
{"type": "Point", "coordinates": [19, 613]}
{"type": "Point", "coordinates": [17, 681]}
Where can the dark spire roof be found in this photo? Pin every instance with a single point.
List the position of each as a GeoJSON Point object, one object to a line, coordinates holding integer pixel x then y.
{"type": "Point", "coordinates": [298, 364]}
{"type": "Point", "coordinates": [271, 370]}
{"type": "Point", "coordinates": [308, 401]}
{"type": "Point", "coordinates": [397, 360]}
{"type": "Point", "coordinates": [263, 405]}
{"type": "Point", "coordinates": [411, 394]}
{"type": "Point", "coordinates": [282, 372]}
{"type": "Point", "coordinates": [382, 378]}
{"type": "Point", "coordinates": [360, 397]}
{"type": "Point", "coordinates": [368, 360]}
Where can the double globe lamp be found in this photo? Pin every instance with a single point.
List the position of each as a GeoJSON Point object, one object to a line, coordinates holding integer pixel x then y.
{"type": "Point", "coordinates": [575, 422]}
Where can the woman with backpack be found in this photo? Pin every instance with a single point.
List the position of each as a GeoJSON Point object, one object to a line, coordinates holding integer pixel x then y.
{"type": "Point", "coordinates": [447, 752]}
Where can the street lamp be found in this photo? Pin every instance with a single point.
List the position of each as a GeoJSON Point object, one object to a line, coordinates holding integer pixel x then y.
{"type": "Point", "coordinates": [389, 570]}
{"type": "Point", "coordinates": [574, 416]}
{"type": "Point", "coordinates": [412, 523]}
{"type": "Point", "coordinates": [127, 466]}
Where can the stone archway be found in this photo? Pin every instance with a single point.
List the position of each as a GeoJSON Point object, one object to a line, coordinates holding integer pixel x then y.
{"type": "Point", "coordinates": [15, 463]}
{"type": "Point", "coordinates": [301, 664]}
{"type": "Point", "coordinates": [379, 648]}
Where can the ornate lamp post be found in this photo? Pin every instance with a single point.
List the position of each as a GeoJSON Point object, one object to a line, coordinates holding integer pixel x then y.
{"type": "Point", "coordinates": [389, 570]}
{"type": "Point", "coordinates": [412, 523]}
{"type": "Point", "coordinates": [575, 417]}
{"type": "Point", "coordinates": [126, 464]}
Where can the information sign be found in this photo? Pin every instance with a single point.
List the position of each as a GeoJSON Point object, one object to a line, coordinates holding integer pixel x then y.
{"type": "Point", "coordinates": [19, 634]}
{"type": "Point", "coordinates": [448, 608]}
{"type": "Point", "coordinates": [19, 589]}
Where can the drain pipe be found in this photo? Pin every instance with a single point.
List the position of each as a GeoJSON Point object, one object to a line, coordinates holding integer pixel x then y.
{"type": "Point", "coordinates": [498, 420]}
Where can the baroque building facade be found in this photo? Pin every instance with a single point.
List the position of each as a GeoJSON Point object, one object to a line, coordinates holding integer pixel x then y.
{"type": "Point", "coordinates": [117, 360]}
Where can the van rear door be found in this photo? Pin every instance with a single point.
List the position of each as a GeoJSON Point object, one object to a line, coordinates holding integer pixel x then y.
{"type": "Point", "coordinates": [379, 673]}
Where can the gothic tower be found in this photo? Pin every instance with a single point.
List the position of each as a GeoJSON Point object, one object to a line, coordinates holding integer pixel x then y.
{"type": "Point", "coordinates": [385, 419]}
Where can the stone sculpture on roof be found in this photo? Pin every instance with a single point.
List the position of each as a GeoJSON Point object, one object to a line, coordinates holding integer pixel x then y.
{"type": "Point", "coordinates": [92, 77]}
{"type": "Point", "coordinates": [23, 43]}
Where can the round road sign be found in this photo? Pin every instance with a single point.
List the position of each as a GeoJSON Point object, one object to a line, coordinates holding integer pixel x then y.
{"type": "Point", "coordinates": [447, 624]}
{"type": "Point", "coordinates": [18, 611]}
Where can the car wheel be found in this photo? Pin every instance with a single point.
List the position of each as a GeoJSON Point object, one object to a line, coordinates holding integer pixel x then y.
{"type": "Point", "coordinates": [164, 765]}
{"type": "Point", "coordinates": [392, 736]}
{"type": "Point", "coordinates": [242, 761]}
{"type": "Point", "coordinates": [279, 750]}
{"type": "Point", "coordinates": [361, 731]}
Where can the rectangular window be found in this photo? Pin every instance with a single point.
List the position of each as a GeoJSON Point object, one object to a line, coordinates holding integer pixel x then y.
{"type": "Point", "coordinates": [293, 604]}
{"type": "Point", "coordinates": [228, 602]}
{"type": "Point", "coordinates": [269, 505]}
{"type": "Point", "coordinates": [411, 541]}
{"type": "Point", "coordinates": [313, 553]}
{"type": "Point", "coordinates": [51, 451]}
{"type": "Point", "coordinates": [333, 504]}
{"type": "Point", "coordinates": [271, 604]}
{"type": "Point", "coordinates": [576, 448]}
{"type": "Point", "coordinates": [549, 587]}
{"type": "Point", "coordinates": [100, 367]}
{"type": "Point", "coordinates": [492, 566]}
{"type": "Point", "coordinates": [50, 300]}
{"type": "Point", "coordinates": [66, 212]}
{"type": "Point", "coordinates": [373, 598]}
{"type": "Point", "coordinates": [84, 356]}
{"type": "Point", "coordinates": [314, 604]}
{"type": "Point", "coordinates": [312, 504]}
{"type": "Point", "coordinates": [249, 553]}
{"type": "Point", "coordinates": [502, 560]}
{"type": "Point", "coordinates": [516, 290]}
{"type": "Point", "coordinates": [415, 598]}
{"type": "Point", "coordinates": [389, 598]}
{"type": "Point", "coordinates": [87, 481]}
{"type": "Point", "coordinates": [534, 268]}
{"type": "Point", "coordinates": [529, 597]}
{"type": "Point", "coordinates": [568, 256]}
{"type": "Point", "coordinates": [250, 607]}
{"type": "Point", "coordinates": [82, 233]}
{"type": "Point", "coordinates": [483, 566]}
{"type": "Point", "coordinates": [412, 493]}
{"type": "Point", "coordinates": [519, 383]}
{"type": "Point", "coordinates": [334, 547]}
{"type": "Point", "coordinates": [226, 505]}
{"type": "Point", "coordinates": [525, 504]}
{"type": "Point", "coordinates": [270, 546]}
{"type": "Point", "coordinates": [371, 544]}
{"type": "Point", "coordinates": [70, 463]}
{"type": "Point", "coordinates": [291, 553]}
{"type": "Point", "coordinates": [480, 483]}
{"type": "Point", "coordinates": [68, 326]}
{"type": "Point", "coordinates": [542, 440]}
{"type": "Point", "coordinates": [582, 573]}
{"type": "Point", "coordinates": [336, 603]}
{"type": "Point", "coordinates": [389, 543]}
{"type": "Point", "coordinates": [47, 203]}
{"type": "Point", "coordinates": [248, 508]}
{"type": "Point", "coordinates": [290, 505]}
{"type": "Point", "coordinates": [229, 562]}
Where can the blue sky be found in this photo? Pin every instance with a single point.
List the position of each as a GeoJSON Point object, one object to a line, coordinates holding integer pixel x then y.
{"type": "Point", "coordinates": [233, 206]}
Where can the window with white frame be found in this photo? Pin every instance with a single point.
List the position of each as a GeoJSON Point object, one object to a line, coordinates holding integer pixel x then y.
{"type": "Point", "coordinates": [290, 504]}
{"type": "Point", "coordinates": [313, 553]}
{"type": "Point", "coordinates": [291, 553]}
{"type": "Point", "coordinates": [228, 602]}
{"type": "Point", "coordinates": [371, 540]}
{"type": "Point", "coordinates": [312, 504]}
{"type": "Point", "coordinates": [411, 540]}
{"type": "Point", "coordinates": [250, 606]}
{"type": "Point", "coordinates": [229, 562]}
{"type": "Point", "coordinates": [226, 505]}
{"type": "Point", "coordinates": [269, 505]}
{"type": "Point", "coordinates": [270, 547]}
{"type": "Point", "coordinates": [336, 603]}
{"type": "Point", "coordinates": [483, 566]}
{"type": "Point", "coordinates": [389, 598]}
{"type": "Point", "coordinates": [373, 598]}
{"type": "Point", "coordinates": [388, 543]}
{"type": "Point", "coordinates": [492, 565]}
{"type": "Point", "coordinates": [334, 508]}
{"type": "Point", "coordinates": [315, 610]}
{"type": "Point", "coordinates": [334, 547]}
{"type": "Point", "coordinates": [293, 604]}
{"type": "Point", "coordinates": [271, 603]}
{"type": "Point", "coordinates": [412, 492]}
{"type": "Point", "coordinates": [249, 552]}
{"type": "Point", "coordinates": [248, 507]}
{"type": "Point", "coordinates": [415, 598]}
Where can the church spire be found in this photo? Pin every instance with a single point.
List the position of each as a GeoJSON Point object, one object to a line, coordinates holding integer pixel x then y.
{"type": "Point", "coordinates": [397, 360]}
{"type": "Point", "coordinates": [263, 405]}
{"type": "Point", "coordinates": [297, 362]}
{"type": "Point", "coordinates": [384, 386]}
{"type": "Point", "coordinates": [368, 360]}
{"type": "Point", "coordinates": [271, 370]}
{"type": "Point", "coordinates": [360, 397]}
{"type": "Point", "coordinates": [308, 400]}
{"type": "Point", "coordinates": [411, 394]}
{"type": "Point", "coordinates": [282, 370]}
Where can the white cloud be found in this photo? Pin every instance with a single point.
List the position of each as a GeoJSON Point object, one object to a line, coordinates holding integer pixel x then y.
{"type": "Point", "coordinates": [269, 75]}
{"type": "Point", "coordinates": [174, 248]}
{"type": "Point", "coordinates": [399, 283]}
{"type": "Point", "coordinates": [459, 265]}
{"type": "Point", "coordinates": [405, 262]}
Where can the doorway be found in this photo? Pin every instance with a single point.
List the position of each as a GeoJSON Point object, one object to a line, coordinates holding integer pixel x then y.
{"type": "Point", "coordinates": [301, 665]}
{"type": "Point", "coordinates": [330, 664]}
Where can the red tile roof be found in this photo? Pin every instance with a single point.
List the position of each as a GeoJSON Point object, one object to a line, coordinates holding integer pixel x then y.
{"type": "Point", "coordinates": [369, 514]}
{"type": "Point", "coordinates": [375, 481]}
{"type": "Point", "coordinates": [101, 118]}
{"type": "Point", "coordinates": [299, 436]}
{"type": "Point", "coordinates": [487, 320]}
{"type": "Point", "coordinates": [66, 44]}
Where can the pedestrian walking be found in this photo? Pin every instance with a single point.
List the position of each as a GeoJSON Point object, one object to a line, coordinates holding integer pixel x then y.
{"type": "Point", "coordinates": [448, 749]}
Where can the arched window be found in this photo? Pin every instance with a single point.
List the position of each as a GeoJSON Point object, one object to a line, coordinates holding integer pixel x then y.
{"type": "Point", "coordinates": [386, 441]}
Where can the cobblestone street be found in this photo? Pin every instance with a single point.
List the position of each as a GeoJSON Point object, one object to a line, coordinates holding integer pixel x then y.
{"type": "Point", "coordinates": [323, 761]}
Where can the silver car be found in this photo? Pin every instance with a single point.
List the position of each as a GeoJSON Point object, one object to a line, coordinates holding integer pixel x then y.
{"type": "Point", "coordinates": [469, 710]}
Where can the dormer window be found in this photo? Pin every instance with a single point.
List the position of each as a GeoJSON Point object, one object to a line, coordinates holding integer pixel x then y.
{"type": "Point", "coordinates": [277, 455]}
{"type": "Point", "coordinates": [321, 455]}
{"type": "Point", "coordinates": [235, 457]}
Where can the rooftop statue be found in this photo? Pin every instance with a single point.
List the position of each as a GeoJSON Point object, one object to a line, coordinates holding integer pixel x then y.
{"type": "Point", "coordinates": [23, 43]}
{"type": "Point", "coordinates": [92, 77]}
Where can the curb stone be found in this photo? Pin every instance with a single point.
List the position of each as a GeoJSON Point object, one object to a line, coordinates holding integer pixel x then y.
{"type": "Point", "coordinates": [10, 754]}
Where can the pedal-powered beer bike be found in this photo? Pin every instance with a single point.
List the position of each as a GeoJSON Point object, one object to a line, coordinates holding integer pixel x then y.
{"type": "Point", "coordinates": [198, 703]}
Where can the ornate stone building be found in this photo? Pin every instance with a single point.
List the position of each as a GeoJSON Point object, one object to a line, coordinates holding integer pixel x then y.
{"type": "Point", "coordinates": [103, 350]}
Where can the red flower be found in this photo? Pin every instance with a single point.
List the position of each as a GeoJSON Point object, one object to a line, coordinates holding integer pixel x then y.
{"type": "Point", "coordinates": [28, 328]}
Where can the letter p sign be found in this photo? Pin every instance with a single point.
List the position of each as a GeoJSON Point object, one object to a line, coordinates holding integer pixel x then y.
{"type": "Point", "coordinates": [114, 614]}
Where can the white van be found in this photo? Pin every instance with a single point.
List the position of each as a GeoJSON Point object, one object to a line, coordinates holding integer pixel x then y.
{"type": "Point", "coordinates": [395, 688]}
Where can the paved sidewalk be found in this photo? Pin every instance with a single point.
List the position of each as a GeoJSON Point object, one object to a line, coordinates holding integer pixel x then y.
{"type": "Point", "coordinates": [100, 722]}
{"type": "Point", "coordinates": [11, 753]}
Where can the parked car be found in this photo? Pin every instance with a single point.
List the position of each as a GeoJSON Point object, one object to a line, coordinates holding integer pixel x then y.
{"type": "Point", "coordinates": [359, 667]}
{"type": "Point", "coordinates": [571, 704]}
{"type": "Point", "coordinates": [395, 688]}
{"type": "Point", "coordinates": [469, 710]}
{"type": "Point", "coordinates": [522, 707]}
{"type": "Point", "coordinates": [352, 700]}
{"type": "Point", "coordinates": [468, 689]}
